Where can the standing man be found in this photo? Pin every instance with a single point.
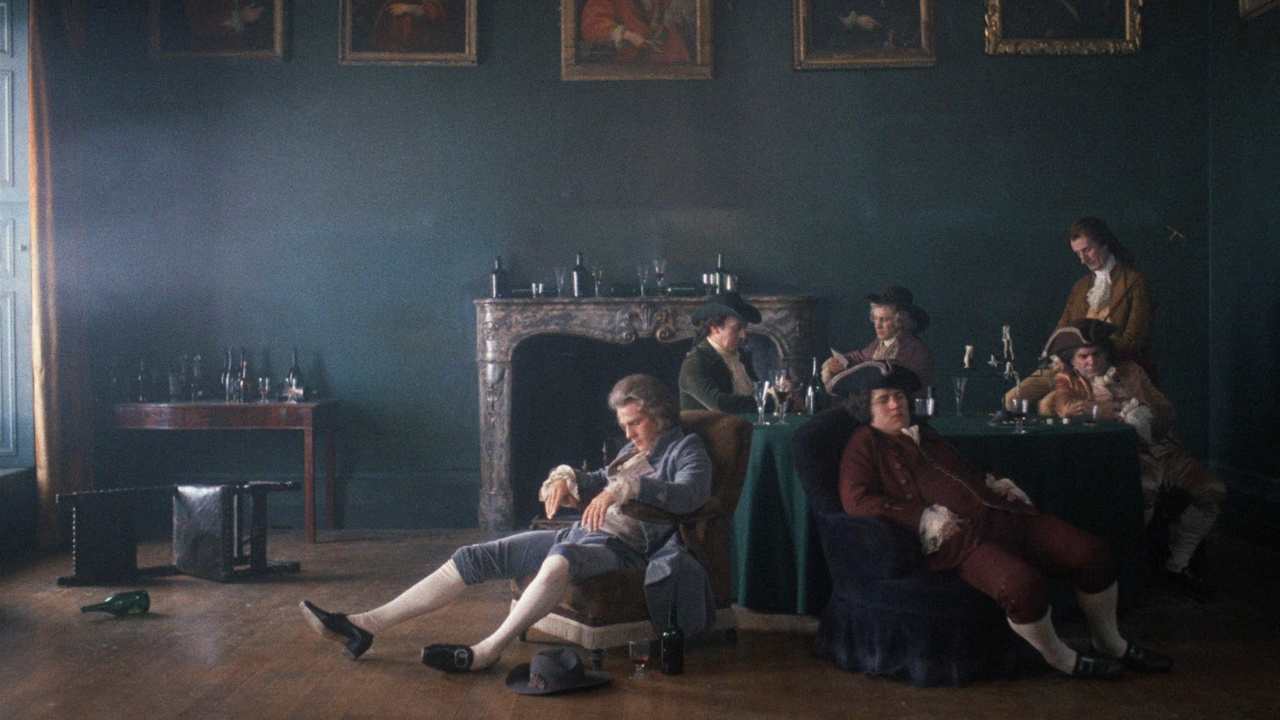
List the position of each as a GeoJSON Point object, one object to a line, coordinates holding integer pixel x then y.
{"type": "Point", "coordinates": [717, 373]}
{"type": "Point", "coordinates": [1086, 377]}
{"type": "Point", "coordinates": [1112, 292]}
{"type": "Point", "coordinates": [897, 320]}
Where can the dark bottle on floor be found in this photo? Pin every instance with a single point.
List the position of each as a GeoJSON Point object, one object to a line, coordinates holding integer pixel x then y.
{"type": "Point", "coordinates": [671, 646]}
{"type": "Point", "coordinates": [135, 602]}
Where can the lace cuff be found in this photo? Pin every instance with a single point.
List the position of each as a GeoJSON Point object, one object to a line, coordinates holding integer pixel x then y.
{"type": "Point", "coordinates": [937, 523]}
{"type": "Point", "coordinates": [561, 472]}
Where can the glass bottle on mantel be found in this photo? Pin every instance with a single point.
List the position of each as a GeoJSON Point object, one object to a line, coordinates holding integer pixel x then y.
{"type": "Point", "coordinates": [721, 275]}
{"type": "Point", "coordinates": [498, 279]}
{"type": "Point", "coordinates": [293, 380]}
{"type": "Point", "coordinates": [134, 602]}
{"type": "Point", "coordinates": [581, 278]}
{"type": "Point", "coordinates": [228, 377]}
{"type": "Point", "coordinates": [671, 645]}
{"type": "Point", "coordinates": [245, 391]}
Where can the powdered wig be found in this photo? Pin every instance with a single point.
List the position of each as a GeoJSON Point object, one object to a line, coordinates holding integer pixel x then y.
{"type": "Point", "coordinates": [1097, 230]}
{"type": "Point", "coordinates": [900, 316]}
{"type": "Point", "coordinates": [654, 398]}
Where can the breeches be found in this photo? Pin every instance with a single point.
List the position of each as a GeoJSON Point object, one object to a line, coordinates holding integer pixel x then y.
{"type": "Point", "coordinates": [1017, 551]}
{"type": "Point", "coordinates": [516, 556]}
{"type": "Point", "coordinates": [1168, 467]}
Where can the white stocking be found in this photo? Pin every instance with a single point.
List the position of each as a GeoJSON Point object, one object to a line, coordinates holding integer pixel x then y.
{"type": "Point", "coordinates": [540, 598]}
{"type": "Point", "coordinates": [1100, 609]}
{"type": "Point", "coordinates": [1185, 536]}
{"type": "Point", "coordinates": [430, 593]}
{"type": "Point", "coordinates": [1045, 639]}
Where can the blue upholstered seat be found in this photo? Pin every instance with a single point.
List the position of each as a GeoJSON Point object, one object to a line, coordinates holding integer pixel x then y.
{"type": "Point", "coordinates": [888, 616]}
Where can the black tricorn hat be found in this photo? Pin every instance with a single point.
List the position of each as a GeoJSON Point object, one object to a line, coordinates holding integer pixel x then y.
{"type": "Point", "coordinates": [1079, 333]}
{"type": "Point", "coordinates": [872, 375]}
{"type": "Point", "coordinates": [553, 671]}
{"type": "Point", "coordinates": [900, 297]}
{"type": "Point", "coordinates": [727, 303]}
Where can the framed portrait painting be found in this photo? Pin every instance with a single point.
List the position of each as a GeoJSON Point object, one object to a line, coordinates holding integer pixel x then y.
{"type": "Point", "coordinates": [238, 29]}
{"type": "Point", "coordinates": [635, 39]}
{"type": "Point", "coordinates": [837, 34]}
{"type": "Point", "coordinates": [1063, 27]}
{"type": "Point", "coordinates": [396, 32]}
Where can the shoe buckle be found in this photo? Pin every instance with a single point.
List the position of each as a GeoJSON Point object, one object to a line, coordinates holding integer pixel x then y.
{"type": "Point", "coordinates": [460, 658]}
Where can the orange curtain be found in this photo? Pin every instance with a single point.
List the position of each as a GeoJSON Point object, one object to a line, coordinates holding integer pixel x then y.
{"type": "Point", "coordinates": [59, 340]}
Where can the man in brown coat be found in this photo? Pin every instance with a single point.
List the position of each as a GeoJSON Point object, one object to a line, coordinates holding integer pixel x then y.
{"type": "Point", "coordinates": [1087, 378]}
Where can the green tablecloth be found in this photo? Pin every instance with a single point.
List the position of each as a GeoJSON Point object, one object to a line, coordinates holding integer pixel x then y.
{"type": "Point", "coordinates": [1087, 476]}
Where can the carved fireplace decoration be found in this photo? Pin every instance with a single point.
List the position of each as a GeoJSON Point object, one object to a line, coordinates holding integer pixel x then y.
{"type": "Point", "coordinates": [502, 324]}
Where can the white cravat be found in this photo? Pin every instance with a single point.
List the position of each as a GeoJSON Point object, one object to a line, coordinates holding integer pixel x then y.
{"type": "Point", "coordinates": [1100, 294]}
{"type": "Point", "coordinates": [742, 384]}
{"type": "Point", "coordinates": [912, 432]}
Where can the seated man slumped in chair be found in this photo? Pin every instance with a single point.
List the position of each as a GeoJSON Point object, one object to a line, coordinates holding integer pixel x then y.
{"type": "Point", "coordinates": [983, 528]}
{"type": "Point", "coordinates": [661, 466]}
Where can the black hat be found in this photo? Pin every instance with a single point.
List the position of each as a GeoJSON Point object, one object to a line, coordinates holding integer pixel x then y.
{"type": "Point", "coordinates": [900, 297]}
{"type": "Point", "coordinates": [872, 375]}
{"type": "Point", "coordinates": [1078, 334]}
{"type": "Point", "coordinates": [553, 671]}
{"type": "Point", "coordinates": [727, 303]}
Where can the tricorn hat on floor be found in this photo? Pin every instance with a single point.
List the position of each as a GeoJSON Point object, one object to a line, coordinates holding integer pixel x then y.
{"type": "Point", "coordinates": [1080, 333]}
{"type": "Point", "coordinates": [873, 375]}
{"type": "Point", "coordinates": [727, 303]}
{"type": "Point", "coordinates": [553, 671]}
{"type": "Point", "coordinates": [902, 298]}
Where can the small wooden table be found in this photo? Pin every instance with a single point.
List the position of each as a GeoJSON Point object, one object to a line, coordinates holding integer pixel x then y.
{"type": "Point", "coordinates": [309, 417]}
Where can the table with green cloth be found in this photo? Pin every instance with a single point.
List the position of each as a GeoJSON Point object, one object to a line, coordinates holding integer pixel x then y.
{"type": "Point", "coordinates": [1087, 476]}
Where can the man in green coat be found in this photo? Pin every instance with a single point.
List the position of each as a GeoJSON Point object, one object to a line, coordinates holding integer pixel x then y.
{"type": "Point", "coordinates": [717, 373]}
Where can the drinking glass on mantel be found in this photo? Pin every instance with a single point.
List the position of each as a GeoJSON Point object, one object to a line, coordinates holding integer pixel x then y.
{"type": "Point", "coordinates": [642, 273]}
{"type": "Point", "coordinates": [559, 271]}
{"type": "Point", "coordinates": [660, 273]}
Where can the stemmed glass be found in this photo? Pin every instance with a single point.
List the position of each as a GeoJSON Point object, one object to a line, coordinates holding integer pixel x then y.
{"type": "Point", "coordinates": [1019, 408]}
{"type": "Point", "coordinates": [639, 652]}
{"type": "Point", "coordinates": [760, 393]}
{"type": "Point", "coordinates": [559, 271]}
{"type": "Point", "coordinates": [597, 274]}
{"type": "Point", "coordinates": [660, 273]}
{"type": "Point", "coordinates": [960, 383]}
{"type": "Point", "coordinates": [642, 272]}
{"type": "Point", "coordinates": [781, 392]}
{"type": "Point", "coordinates": [264, 389]}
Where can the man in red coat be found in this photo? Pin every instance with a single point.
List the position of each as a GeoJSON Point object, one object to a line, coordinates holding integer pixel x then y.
{"type": "Point", "coordinates": [982, 527]}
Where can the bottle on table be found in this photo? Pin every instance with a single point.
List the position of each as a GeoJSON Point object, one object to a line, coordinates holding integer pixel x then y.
{"type": "Point", "coordinates": [498, 287]}
{"type": "Point", "coordinates": [581, 278]}
{"type": "Point", "coordinates": [671, 645]}
{"type": "Point", "coordinates": [134, 602]}
{"type": "Point", "coordinates": [720, 278]}
{"type": "Point", "coordinates": [228, 377]}
{"type": "Point", "coordinates": [813, 397]}
{"type": "Point", "coordinates": [244, 388]}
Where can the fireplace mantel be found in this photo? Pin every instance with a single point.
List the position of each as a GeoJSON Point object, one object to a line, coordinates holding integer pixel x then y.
{"type": "Point", "coordinates": [502, 324]}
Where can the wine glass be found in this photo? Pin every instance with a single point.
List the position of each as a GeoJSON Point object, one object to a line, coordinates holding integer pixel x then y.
{"type": "Point", "coordinates": [960, 384]}
{"type": "Point", "coordinates": [559, 271]}
{"type": "Point", "coordinates": [1019, 407]}
{"type": "Point", "coordinates": [924, 408]}
{"type": "Point", "coordinates": [660, 273]}
{"type": "Point", "coordinates": [760, 393]}
{"type": "Point", "coordinates": [264, 389]}
{"type": "Point", "coordinates": [642, 272]}
{"type": "Point", "coordinates": [639, 652]}
{"type": "Point", "coordinates": [781, 393]}
{"type": "Point", "coordinates": [1091, 416]}
{"type": "Point", "coordinates": [597, 274]}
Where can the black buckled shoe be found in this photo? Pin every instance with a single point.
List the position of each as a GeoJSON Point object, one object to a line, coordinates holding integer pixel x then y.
{"type": "Point", "coordinates": [1097, 667]}
{"type": "Point", "coordinates": [1189, 583]}
{"type": "Point", "coordinates": [448, 658]}
{"type": "Point", "coordinates": [336, 627]}
{"type": "Point", "coordinates": [1140, 659]}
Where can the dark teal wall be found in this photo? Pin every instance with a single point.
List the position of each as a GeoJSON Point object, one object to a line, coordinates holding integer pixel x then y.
{"type": "Point", "coordinates": [354, 211]}
{"type": "Point", "coordinates": [1245, 297]}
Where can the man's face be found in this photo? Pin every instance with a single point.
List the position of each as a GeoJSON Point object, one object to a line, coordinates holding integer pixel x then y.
{"type": "Point", "coordinates": [885, 320]}
{"type": "Point", "coordinates": [640, 429]}
{"type": "Point", "coordinates": [730, 334]}
{"type": "Point", "coordinates": [1090, 362]}
{"type": "Point", "coordinates": [1091, 253]}
{"type": "Point", "coordinates": [889, 411]}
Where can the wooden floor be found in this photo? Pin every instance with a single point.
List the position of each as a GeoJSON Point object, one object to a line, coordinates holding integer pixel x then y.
{"type": "Point", "coordinates": [210, 650]}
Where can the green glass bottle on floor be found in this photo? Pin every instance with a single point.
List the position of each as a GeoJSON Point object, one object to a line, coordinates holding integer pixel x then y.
{"type": "Point", "coordinates": [134, 602]}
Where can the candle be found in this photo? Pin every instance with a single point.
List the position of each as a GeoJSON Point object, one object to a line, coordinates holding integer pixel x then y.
{"type": "Point", "coordinates": [1007, 338]}
{"type": "Point", "coordinates": [968, 356]}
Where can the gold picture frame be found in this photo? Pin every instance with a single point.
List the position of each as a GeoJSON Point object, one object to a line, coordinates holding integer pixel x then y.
{"type": "Point", "coordinates": [393, 32]}
{"type": "Point", "coordinates": [1254, 8]}
{"type": "Point", "coordinates": [1063, 27]}
{"type": "Point", "coordinates": [253, 30]}
{"type": "Point", "coordinates": [633, 40]}
{"type": "Point", "coordinates": [844, 34]}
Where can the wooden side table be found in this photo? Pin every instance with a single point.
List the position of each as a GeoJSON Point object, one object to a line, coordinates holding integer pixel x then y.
{"type": "Point", "coordinates": [308, 417]}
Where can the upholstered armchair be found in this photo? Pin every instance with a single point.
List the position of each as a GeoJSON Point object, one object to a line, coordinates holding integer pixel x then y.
{"type": "Point", "coordinates": [888, 616]}
{"type": "Point", "coordinates": [610, 610]}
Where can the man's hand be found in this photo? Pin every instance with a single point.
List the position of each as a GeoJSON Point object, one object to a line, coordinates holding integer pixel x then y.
{"type": "Point", "coordinates": [937, 525]}
{"type": "Point", "coordinates": [558, 496]}
{"type": "Point", "coordinates": [1006, 489]}
{"type": "Point", "coordinates": [593, 516]}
